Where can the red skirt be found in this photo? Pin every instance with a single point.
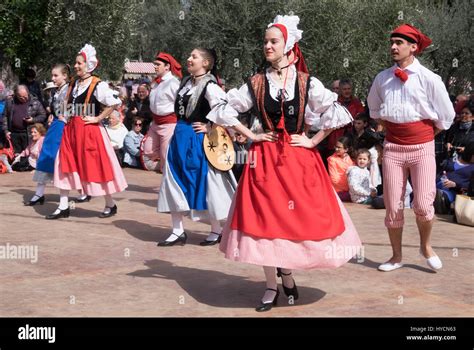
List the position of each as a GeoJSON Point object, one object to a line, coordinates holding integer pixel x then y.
{"type": "Point", "coordinates": [83, 151]}
{"type": "Point", "coordinates": [286, 196]}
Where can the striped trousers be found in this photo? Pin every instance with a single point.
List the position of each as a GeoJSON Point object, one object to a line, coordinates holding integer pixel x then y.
{"type": "Point", "coordinates": [399, 161]}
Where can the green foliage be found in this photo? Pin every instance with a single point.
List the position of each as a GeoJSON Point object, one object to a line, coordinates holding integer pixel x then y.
{"type": "Point", "coordinates": [341, 38]}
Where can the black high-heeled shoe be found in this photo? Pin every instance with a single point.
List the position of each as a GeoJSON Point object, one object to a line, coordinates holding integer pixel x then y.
{"type": "Point", "coordinates": [181, 239]}
{"type": "Point", "coordinates": [63, 213]}
{"type": "Point", "coordinates": [40, 200]}
{"type": "Point", "coordinates": [107, 214]}
{"type": "Point", "coordinates": [288, 291]}
{"type": "Point", "coordinates": [206, 242]}
{"type": "Point", "coordinates": [268, 305]}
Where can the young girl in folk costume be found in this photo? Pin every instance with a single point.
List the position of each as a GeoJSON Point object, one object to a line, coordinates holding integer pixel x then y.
{"type": "Point", "coordinates": [190, 184]}
{"type": "Point", "coordinates": [86, 159]}
{"type": "Point", "coordinates": [285, 213]}
{"type": "Point", "coordinates": [45, 166]}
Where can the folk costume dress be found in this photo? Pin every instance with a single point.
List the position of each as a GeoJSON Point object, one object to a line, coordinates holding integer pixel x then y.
{"type": "Point", "coordinates": [52, 140]}
{"type": "Point", "coordinates": [191, 185]}
{"type": "Point", "coordinates": [86, 160]}
{"type": "Point", "coordinates": [285, 212]}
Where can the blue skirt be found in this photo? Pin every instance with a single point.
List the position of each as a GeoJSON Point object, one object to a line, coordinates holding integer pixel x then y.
{"type": "Point", "coordinates": [50, 147]}
{"type": "Point", "coordinates": [188, 164]}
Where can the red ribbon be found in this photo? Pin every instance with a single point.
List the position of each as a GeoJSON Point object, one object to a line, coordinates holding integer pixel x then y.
{"type": "Point", "coordinates": [401, 74]}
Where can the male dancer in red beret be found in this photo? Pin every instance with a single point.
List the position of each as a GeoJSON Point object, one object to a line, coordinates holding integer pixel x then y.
{"type": "Point", "coordinates": [162, 99]}
{"type": "Point", "coordinates": [414, 106]}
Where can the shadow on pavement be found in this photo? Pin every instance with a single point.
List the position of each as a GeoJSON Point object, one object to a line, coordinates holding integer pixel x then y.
{"type": "Point", "coordinates": [219, 289]}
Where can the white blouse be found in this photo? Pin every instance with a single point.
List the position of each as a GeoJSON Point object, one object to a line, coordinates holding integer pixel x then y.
{"type": "Point", "coordinates": [322, 110]}
{"type": "Point", "coordinates": [103, 93]}
{"type": "Point", "coordinates": [216, 97]}
{"type": "Point", "coordinates": [422, 96]}
{"type": "Point", "coordinates": [163, 95]}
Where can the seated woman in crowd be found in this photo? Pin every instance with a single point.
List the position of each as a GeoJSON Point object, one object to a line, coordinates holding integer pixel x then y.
{"type": "Point", "coordinates": [117, 132]}
{"type": "Point", "coordinates": [338, 164]}
{"type": "Point", "coordinates": [461, 132]}
{"type": "Point", "coordinates": [456, 179]}
{"type": "Point", "coordinates": [131, 144]}
{"type": "Point", "coordinates": [26, 160]}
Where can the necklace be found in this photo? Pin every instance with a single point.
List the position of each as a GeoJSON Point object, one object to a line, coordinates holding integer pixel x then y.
{"type": "Point", "coordinates": [279, 71]}
{"type": "Point", "coordinates": [81, 80]}
{"type": "Point", "coordinates": [197, 76]}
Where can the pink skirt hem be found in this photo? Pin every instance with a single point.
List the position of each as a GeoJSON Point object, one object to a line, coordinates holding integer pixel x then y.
{"type": "Point", "coordinates": [72, 181]}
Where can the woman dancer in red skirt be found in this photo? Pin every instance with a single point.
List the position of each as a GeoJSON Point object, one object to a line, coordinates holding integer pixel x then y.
{"type": "Point", "coordinates": [86, 159]}
{"type": "Point", "coordinates": [285, 213]}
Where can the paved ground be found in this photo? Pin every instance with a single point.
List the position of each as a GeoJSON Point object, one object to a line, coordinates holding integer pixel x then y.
{"type": "Point", "coordinates": [111, 267]}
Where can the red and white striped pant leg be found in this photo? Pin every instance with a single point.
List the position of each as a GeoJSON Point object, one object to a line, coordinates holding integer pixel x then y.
{"type": "Point", "coordinates": [422, 165]}
{"type": "Point", "coordinates": [395, 174]}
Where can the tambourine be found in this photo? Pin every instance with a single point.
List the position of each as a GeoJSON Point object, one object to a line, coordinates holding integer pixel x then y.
{"type": "Point", "coordinates": [219, 148]}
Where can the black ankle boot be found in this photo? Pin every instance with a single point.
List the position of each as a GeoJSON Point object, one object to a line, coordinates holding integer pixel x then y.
{"type": "Point", "coordinates": [181, 239]}
{"type": "Point", "coordinates": [268, 305]}
{"type": "Point", "coordinates": [31, 203]}
{"type": "Point", "coordinates": [63, 213]}
{"type": "Point", "coordinates": [288, 291]}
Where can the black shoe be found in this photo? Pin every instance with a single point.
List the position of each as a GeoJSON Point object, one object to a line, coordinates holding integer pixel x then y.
{"type": "Point", "coordinates": [206, 242]}
{"type": "Point", "coordinates": [87, 199]}
{"type": "Point", "coordinates": [40, 200]}
{"type": "Point", "coordinates": [63, 213]}
{"type": "Point", "coordinates": [107, 214]}
{"type": "Point", "coordinates": [268, 306]}
{"type": "Point", "coordinates": [181, 239]}
{"type": "Point", "coordinates": [288, 291]}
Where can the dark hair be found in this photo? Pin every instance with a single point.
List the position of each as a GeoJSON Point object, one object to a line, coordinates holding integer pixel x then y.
{"type": "Point", "coordinates": [346, 142]}
{"type": "Point", "coordinates": [64, 68]}
{"type": "Point", "coordinates": [345, 81]}
{"type": "Point", "coordinates": [468, 152]}
{"type": "Point", "coordinates": [30, 73]}
{"type": "Point", "coordinates": [211, 56]}
{"type": "Point", "coordinates": [362, 116]}
{"type": "Point", "coordinates": [362, 151]}
{"type": "Point", "coordinates": [145, 85]}
{"type": "Point", "coordinates": [136, 119]}
{"type": "Point", "coordinates": [470, 106]}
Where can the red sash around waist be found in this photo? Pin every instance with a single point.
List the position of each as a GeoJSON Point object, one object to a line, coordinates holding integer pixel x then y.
{"type": "Point", "coordinates": [165, 119]}
{"type": "Point", "coordinates": [410, 133]}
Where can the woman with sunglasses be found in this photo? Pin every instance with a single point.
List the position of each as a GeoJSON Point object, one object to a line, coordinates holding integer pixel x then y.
{"type": "Point", "coordinates": [131, 144]}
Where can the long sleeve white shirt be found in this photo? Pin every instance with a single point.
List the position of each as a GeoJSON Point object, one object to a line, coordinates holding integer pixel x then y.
{"type": "Point", "coordinates": [163, 95]}
{"type": "Point", "coordinates": [422, 96]}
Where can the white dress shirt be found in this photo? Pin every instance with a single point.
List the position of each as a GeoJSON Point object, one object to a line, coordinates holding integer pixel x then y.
{"type": "Point", "coordinates": [422, 96]}
{"type": "Point", "coordinates": [163, 95]}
